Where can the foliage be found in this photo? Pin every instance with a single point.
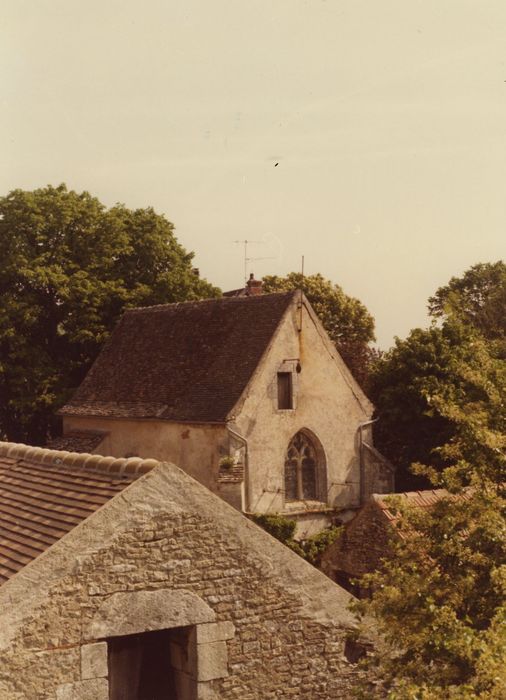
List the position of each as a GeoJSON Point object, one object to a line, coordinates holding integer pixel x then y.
{"type": "Point", "coordinates": [227, 462]}
{"type": "Point", "coordinates": [346, 320]}
{"type": "Point", "coordinates": [465, 346]}
{"type": "Point", "coordinates": [69, 267]}
{"type": "Point", "coordinates": [478, 298]}
{"type": "Point", "coordinates": [313, 547]}
{"type": "Point", "coordinates": [283, 529]}
{"type": "Point", "coordinates": [440, 600]}
{"type": "Point", "coordinates": [400, 386]}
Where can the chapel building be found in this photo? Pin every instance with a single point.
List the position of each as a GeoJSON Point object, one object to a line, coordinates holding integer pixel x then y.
{"type": "Point", "coordinates": [247, 394]}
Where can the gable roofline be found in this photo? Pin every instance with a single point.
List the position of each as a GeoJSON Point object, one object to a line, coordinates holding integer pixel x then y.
{"type": "Point", "coordinates": [299, 297]}
{"type": "Point", "coordinates": [187, 361]}
{"type": "Point", "coordinates": [365, 403]}
{"type": "Point", "coordinates": [235, 410]}
{"type": "Point", "coordinates": [321, 598]}
{"type": "Point", "coordinates": [46, 493]}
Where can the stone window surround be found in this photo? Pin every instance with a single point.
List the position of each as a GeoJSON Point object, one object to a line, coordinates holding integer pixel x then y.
{"type": "Point", "coordinates": [136, 612]}
{"type": "Point", "coordinates": [321, 500]}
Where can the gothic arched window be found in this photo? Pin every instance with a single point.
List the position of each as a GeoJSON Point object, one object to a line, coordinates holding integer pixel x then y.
{"type": "Point", "coordinates": [301, 469]}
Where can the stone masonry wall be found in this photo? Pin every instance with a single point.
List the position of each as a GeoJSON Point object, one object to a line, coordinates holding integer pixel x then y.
{"type": "Point", "coordinates": [278, 648]}
{"type": "Point", "coordinates": [362, 545]}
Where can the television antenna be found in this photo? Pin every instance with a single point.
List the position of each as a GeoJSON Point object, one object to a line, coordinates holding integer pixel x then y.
{"type": "Point", "coordinates": [247, 259]}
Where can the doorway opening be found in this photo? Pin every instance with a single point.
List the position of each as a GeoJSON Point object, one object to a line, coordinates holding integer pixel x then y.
{"type": "Point", "coordinates": [151, 666]}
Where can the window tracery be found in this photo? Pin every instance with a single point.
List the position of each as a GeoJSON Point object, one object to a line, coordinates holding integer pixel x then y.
{"type": "Point", "coordinates": [300, 469]}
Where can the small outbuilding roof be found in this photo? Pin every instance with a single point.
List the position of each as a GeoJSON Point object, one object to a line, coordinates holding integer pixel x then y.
{"type": "Point", "coordinates": [78, 441]}
{"type": "Point", "coordinates": [189, 361]}
{"type": "Point", "coordinates": [44, 494]}
{"type": "Point", "coordinates": [418, 499]}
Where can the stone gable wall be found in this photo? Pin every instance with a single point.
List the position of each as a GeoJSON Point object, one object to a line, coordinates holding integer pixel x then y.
{"type": "Point", "coordinates": [362, 545]}
{"type": "Point", "coordinates": [328, 403]}
{"type": "Point", "coordinates": [278, 649]}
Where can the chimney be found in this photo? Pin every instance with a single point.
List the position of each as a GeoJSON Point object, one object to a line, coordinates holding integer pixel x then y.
{"type": "Point", "coordinates": [253, 286]}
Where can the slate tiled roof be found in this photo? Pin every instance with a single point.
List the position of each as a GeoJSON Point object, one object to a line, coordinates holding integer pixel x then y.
{"type": "Point", "coordinates": [78, 441]}
{"type": "Point", "coordinates": [45, 493]}
{"type": "Point", "coordinates": [182, 362]}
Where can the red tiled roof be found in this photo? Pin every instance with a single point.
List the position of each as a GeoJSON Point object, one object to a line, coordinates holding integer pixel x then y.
{"type": "Point", "coordinates": [419, 499]}
{"type": "Point", "coordinates": [184, 362]}
{"type": "Point", "coordinates": [45, 493]}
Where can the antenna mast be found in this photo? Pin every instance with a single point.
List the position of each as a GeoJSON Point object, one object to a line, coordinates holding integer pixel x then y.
{"type": "Point", "coordinates": [301, 293]}
{"type": "Point", "coordinates": [246, 259]}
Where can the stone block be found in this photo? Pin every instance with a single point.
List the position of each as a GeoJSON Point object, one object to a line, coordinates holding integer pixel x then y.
{"type": "Point", "coordinates": [95, 689]}
{"type": "Point", "coordinates": [94, 660]}
{"type": "Point", "coordinates": [205, 692]}
{"type": "Point", "coordinates": [214, 632]}
{"type": "Point", "coordinates": [212, 661]}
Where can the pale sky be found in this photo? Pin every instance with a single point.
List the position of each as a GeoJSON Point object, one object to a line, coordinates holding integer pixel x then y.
{"type": "Point", "coordinates": [387, 121]}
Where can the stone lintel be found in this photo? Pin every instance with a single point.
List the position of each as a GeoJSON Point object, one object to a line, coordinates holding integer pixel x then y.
{"type": "Point", "coordinates": [134, 612]}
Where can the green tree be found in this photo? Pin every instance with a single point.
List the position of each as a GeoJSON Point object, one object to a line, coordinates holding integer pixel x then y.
{"type": "Point", "coordinates": [478, 298]}
{"type": "Point", "coordinates": [401, 385]}
{"type": "Point", "coordinates": [69, 267]}
{"type": "Point", "coordinates": [472, 310]}
{"type": "Point", "coordinates": [439, 600]}
{"type": "Point", "coordinates": [346, 320]}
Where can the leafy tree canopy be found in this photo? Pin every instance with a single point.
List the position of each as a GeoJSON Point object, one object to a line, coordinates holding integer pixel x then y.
{"type": "Point", "coordinates": [402, 382]}
{"type": "Point", "coordinates": [345, 319]}
{"type": "Point", "coordinates": [402, 385]}
{"type": "Point", "coordinates": [69, 267]}
{"type": "Point", "coordinates": [478, 298]}
{"type": "Point", "coordinates": [440, 599]}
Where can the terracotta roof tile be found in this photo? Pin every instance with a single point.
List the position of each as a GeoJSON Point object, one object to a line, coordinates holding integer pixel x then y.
{"type": "Point", "coordinates": [185, 362]}
{"type": "Point", "coordinates": [45, 493]}
{"type": "Point", "coordinates": [419, 499]}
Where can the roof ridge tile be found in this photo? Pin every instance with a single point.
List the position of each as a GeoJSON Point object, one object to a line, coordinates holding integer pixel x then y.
{"type": "Point", "coordinates": [211, 300]}
{"type": "Point", "coordinates": [117, 466]}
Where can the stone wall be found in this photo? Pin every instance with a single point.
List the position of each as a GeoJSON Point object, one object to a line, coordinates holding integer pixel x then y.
{"type": "Point", "coordinates": [195, 448]}
{"type": "Point", "coordinates": [360, 548]}
{"type": "Point", "coordinates": [379, 473]}
{"type": "Point", "coordinates": [166, 553]}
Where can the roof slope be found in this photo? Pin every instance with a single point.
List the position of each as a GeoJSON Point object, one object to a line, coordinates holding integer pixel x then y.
{"type": "Point", "coordinates": [184, 362]}
{"type": "Point", "coordinates": [419, 499]}
{"type": "Point", "coordinates": [44, 494]}
{"type": "Point", "coordinates": [78, 441]}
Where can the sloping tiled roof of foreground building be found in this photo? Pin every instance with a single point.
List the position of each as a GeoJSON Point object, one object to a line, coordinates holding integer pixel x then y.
{"type": "Point", "coordinates": [45, 493]}
{"type": "Point", "coordinates": [184, 362]}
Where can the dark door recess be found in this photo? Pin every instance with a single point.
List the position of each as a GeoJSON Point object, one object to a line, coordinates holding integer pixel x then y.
{"type": "Point", "coordinates": [141, 667]}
